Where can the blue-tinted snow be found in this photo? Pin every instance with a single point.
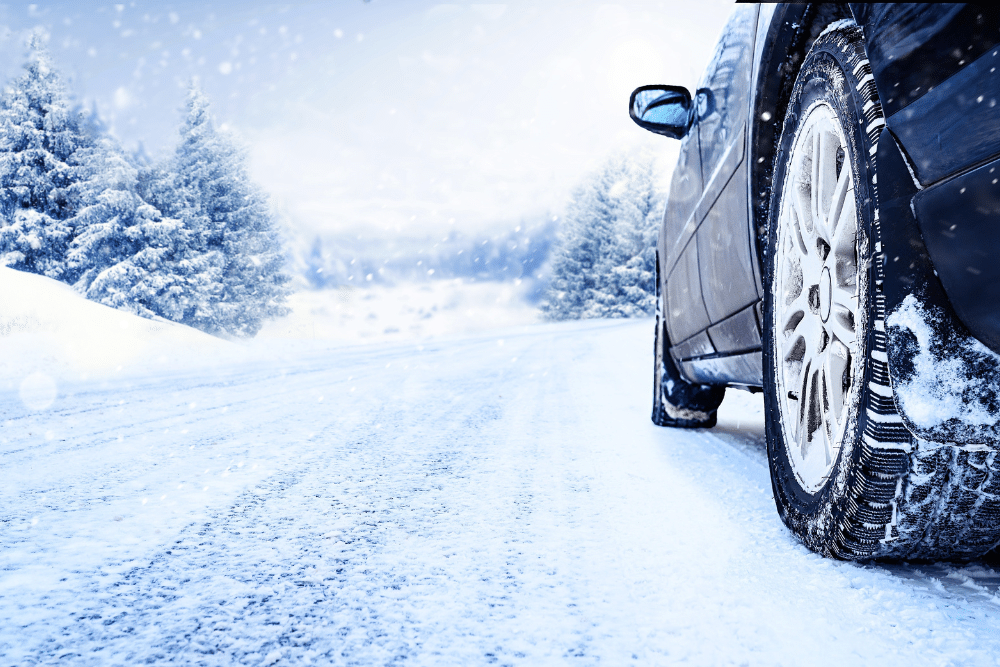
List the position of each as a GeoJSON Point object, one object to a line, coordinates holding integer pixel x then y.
{"type": "Point", "coordinates": [499, 497]}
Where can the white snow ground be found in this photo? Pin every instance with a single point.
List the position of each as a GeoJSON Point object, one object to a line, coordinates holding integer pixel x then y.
{"type": "Point", "coordinates": [498, 498]}
{"type": "Point", "coordinates": [377, 313]}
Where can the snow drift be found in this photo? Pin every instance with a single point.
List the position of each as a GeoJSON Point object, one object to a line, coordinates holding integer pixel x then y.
{"type": "Point", "coordinates": [47, 328]}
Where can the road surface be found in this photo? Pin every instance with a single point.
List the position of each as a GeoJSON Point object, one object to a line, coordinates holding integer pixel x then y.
{"type": "Point", "coordinates": [495, 499]}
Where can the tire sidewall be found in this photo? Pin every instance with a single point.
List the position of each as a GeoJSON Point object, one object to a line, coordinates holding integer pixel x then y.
{"type": "Point", "coordinates": [826, 76]}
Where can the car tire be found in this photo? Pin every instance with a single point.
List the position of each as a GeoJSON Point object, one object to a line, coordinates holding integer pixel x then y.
{"type": "Point", "coordinates": [677, 402]}
{"type": "Point", "coordinates": [848, 477]}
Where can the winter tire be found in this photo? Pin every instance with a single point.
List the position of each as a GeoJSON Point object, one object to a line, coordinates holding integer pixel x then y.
{"type": "Point", "coordinates": [848, 478]}
{"type": "Point", "coordinates": [677, 402]}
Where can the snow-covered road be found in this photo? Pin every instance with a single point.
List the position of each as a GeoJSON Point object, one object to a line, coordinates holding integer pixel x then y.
{"type": "Point", "coordinates": [498, 499]}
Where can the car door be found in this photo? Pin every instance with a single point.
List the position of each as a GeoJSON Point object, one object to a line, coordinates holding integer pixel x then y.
{"type": "Point", "coordinates": [685, 313]}
{"type": "Point", "coordinates": [726, 262]}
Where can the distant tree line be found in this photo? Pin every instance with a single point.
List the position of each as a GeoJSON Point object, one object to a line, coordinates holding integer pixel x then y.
{"type": "Point", "coordinates": [604, 261]}
{"type": "Point", "coordinates": [520, 253]}
{"type": "Point", "coordinates": [597, 260]}
{"type": "Point", "coordinates": [190, 239]}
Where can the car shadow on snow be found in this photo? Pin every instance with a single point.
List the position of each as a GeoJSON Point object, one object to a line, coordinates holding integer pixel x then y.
{"type": "Point", "coordinates": [741, 424]}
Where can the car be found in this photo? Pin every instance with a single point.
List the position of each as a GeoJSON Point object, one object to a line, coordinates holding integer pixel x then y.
{"type": "Point", "coordinates": [832, 239]}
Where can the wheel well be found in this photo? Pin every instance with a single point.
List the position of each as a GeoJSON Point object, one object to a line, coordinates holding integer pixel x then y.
{"type": "Point", "coordinates": [790, 35]}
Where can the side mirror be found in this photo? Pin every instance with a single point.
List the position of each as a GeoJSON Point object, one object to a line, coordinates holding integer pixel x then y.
{"type": "Point", "coordinates": [665, 110]}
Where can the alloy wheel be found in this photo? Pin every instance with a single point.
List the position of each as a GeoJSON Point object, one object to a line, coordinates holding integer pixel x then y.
{"type": "Point", "coordinates": [816, 298]}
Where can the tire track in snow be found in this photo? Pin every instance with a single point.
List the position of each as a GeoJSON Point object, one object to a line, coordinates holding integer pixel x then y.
{"type": "Point", "coordinates": [364, 446]}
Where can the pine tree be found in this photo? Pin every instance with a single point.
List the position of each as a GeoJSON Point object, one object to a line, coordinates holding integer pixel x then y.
{"type": "Point", "coordinates": [236, 253]}
{"type": "Point", "coordinates": [626, 287]}
{"type": "Point", "coordinates": [45, 166]}
{"type": "Point", "coordinates": [126, 254]}
{"type": "Point", "coordinates": [585, 235]}
{"type": "Point", "coordinates": [604, 262]}
{"type": "Point", "coordinates": [190, 278]}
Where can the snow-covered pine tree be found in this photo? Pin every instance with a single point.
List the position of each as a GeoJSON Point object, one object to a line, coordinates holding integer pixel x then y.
{"type": "Point", "coordinates": [604, 262]}
{"type": "Point", "coordinates": [626, 282]}
{"type": "Point", "coordinates": [43, 169]}
{"type": "Point", "coordinates": [584, 236]}
{"type": "Point", "coordinates": [126, 254]}
{"type": "Point", "coordinates": [190, 281]}
{"type": "Point", "coordinates": [234, 261]}
{"type": "Point", "coordinates": [192, 241]}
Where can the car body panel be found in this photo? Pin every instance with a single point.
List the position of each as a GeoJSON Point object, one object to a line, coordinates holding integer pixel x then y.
{"type": "Point", "coordinates": [914, 47]}
{"type": "Point", "coordinates": [697, 346]}
{"type": "Point", "coordinates": [971, 100]}
{"type": "Point", "coordinates": [685, 312]}
{"type": "Point", "coordinates": [685, 192]}
{"type": "Point", "coordinates": [937, 68]}
{"type": "Point", "coordinates": [724, 247]}
{"type": "Point", "coordinates": [971, 380]}
{"type": "Point", "coordinates": [734, 369]}
{"type": "Point", "coordinates": [738, 334]}
{"type": "Point", "coordinates": [707, 231]}
{"type": "Point", "coordinates": [727, 81]}
{"type": "Point", "coordinates": [960, 220]}
{"type": "Point", "coordinates": [724, 237]}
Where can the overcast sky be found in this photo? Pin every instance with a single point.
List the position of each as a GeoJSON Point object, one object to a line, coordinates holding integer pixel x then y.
{"type": "Point", "coordinates": [390, 115]}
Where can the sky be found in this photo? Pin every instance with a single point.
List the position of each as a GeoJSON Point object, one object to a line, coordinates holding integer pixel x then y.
{"type": "Point", "coordinates": [387, 116]}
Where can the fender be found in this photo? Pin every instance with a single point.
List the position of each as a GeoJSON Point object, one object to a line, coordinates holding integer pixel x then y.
{"type": "Point", "coordinates": [944, 380]}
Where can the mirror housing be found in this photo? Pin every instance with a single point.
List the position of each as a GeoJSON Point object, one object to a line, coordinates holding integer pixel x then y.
{"type": "Point", "coordinates": [665, 110]}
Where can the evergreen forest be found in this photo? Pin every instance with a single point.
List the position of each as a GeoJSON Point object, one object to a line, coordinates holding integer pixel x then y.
{"type": "Point", "coordinates": [189, 239]}
{"type": "Point", "coordinates": [604, 260]}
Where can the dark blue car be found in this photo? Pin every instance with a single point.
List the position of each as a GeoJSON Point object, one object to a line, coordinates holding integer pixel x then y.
{"type": "Point", "coordinates": [832, 238]}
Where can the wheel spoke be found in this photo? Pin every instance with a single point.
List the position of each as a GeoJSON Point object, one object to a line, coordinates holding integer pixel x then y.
{"type": "Point", "coordinates": [801, 332]}
{"type": "Point", "coordinates": [841, 323]}
{"type": "Point", "coordinates": [824, 180]}
{"type": "Point", "coordinates": [793, 284]}
{"type": "Point", "coordinates": [828, 446]}
{"type": "Point", "coordinates": [802, 425]}
{"type": "Point", "coordinates": [811, 415]}
{"type": "Point", "coordinates": [804, 227]}
{"type": "Point", "coordinates": [825, 425]}
{"type": "Point", "coordinates": [836, 223]}
{"type": "Point", "coordinates": [809, 265]}
{"type": "Point", "coordinates": [792, 310]}
{"type": "Point", "coordinates": [845, 243]}
{"type": "Point", "coordinates": [835, 365]}
{"type": "Point", "coordinates": [846, 223]}
{"type": "Point", "coordinates": [816, 176]}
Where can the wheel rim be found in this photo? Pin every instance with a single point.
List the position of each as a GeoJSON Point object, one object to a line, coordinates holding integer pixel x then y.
{"type": "Point", "coordinates": [816, 298]}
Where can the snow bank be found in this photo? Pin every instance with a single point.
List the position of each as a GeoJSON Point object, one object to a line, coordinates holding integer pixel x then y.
{"type": "Point", "coordinates": [50, 335]}
{"type": "Point", "coordinates": [49, 331]}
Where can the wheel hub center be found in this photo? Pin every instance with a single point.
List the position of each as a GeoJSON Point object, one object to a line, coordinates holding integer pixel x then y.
{"type": "Point", "coordinates": [825, 293]}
